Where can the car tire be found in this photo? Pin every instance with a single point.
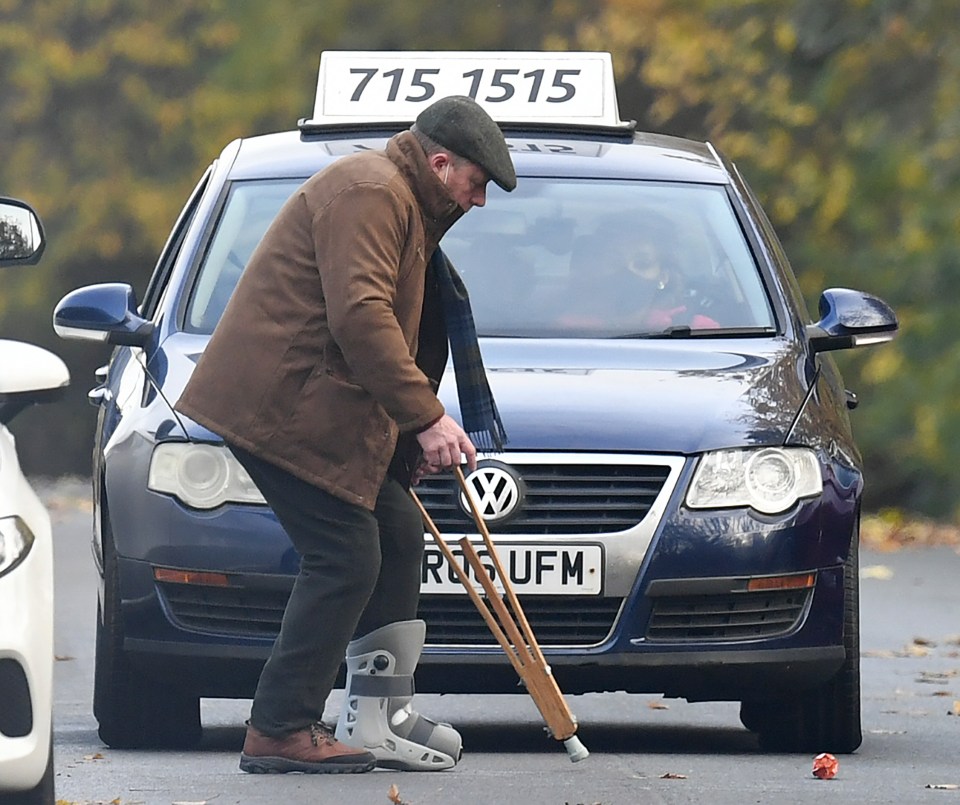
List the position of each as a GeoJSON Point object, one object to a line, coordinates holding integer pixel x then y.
{"type": "Point", "coordinates": [135, 711]}
{"type": "Point", "coordinates": [826, 719]}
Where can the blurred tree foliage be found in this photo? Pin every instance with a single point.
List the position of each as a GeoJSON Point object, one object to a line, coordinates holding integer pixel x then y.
{"type": "Point", "coordinates": [843, 115]}
{"type": "Point", "coordinates": [111, 109]}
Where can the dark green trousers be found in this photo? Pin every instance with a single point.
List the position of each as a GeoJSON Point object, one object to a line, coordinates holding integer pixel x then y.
{"type": "Point", "coordinates": [359, 570]}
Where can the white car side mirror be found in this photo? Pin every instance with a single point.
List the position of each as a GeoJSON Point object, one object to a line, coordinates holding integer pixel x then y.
{"type": "Point", "coordinates": [28, 374]}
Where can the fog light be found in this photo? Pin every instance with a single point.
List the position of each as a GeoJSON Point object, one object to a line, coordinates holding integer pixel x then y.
{"type": "Point", "coordinates": [16, 540]}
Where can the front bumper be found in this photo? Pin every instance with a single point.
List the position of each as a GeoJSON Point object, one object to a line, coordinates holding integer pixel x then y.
{"type": "Point", "coordinates": [161, 643]}
{"type": "Point", "coordinates": [26, 646]}
{"type": "Point", "coordinates": [216, 639]}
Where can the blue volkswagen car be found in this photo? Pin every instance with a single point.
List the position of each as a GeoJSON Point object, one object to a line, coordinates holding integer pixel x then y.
{"type": "Point", "coordinates": [679, 501]}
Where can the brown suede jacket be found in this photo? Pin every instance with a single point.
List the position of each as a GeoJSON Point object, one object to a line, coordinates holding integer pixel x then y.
{"type": "Point", "coordinates": [321, 359]}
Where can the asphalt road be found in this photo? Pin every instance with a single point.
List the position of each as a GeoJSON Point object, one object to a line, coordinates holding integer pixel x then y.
{"type": "Point", "coordinates": [644, 749]}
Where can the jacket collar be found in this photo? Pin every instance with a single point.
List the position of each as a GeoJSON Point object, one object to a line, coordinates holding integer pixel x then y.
{"type": "Point", "coordinates": [440, 211]}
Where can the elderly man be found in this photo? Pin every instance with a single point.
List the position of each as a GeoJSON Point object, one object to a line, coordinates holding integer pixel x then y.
{"type": "Point", "coordinates": [321, 377]}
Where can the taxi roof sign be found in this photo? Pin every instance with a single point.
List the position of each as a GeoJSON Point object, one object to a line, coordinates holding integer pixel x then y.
{"type": "Point", "coordinates": [544, 88]}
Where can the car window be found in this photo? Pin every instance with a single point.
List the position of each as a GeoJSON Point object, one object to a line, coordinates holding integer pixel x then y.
{"type": "Point", "coordinates": [556, 258]}
{"type": "Point", "coordinates": [770, 235]}
{"type": "Point", "coordinates": [591, 258]}
{"type": "Point", "coordinates": [171, 250]}
{"type": "Point", "coordinates": [248, 211]}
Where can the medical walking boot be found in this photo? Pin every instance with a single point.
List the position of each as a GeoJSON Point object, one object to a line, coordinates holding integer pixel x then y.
{"type": "Point", "coordinates": [377, 713]}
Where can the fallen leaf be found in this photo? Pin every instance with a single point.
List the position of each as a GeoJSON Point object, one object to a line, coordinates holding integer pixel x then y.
{"type": "Point", "coordinates": [935, 677]}
{"type": "Point", "coordinates": [879, 572]}
{"type": "Point", "coordinates": [673, 776]}
{"type": "Point", "coordinates": [923, 641]}
{"type": "Point", "coordinates": [657, 705]}
{"type": "Point", "coordinates": [394, 795]}
{"type": "Point", "coordinates": [116, 801]}
{"type": "Point", "coordinates": [63, 657]}
{"type": "Point", "coordinates": [96, 756]}
{"type": "Point", "coordinates": [944, 693]}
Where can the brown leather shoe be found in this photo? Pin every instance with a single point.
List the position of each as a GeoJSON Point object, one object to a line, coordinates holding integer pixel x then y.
{"type": "Point", "coordinates": [312, 750]}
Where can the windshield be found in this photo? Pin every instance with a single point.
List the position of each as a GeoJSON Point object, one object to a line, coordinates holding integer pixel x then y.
{"type": "Point", "coordinates": [558, 258]}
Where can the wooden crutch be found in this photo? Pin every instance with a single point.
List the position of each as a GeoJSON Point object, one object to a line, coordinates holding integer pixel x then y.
{"type": "Point", "coordinates": [514, 636]}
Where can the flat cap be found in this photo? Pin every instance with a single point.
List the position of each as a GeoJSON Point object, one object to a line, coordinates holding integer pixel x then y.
{"type": "Point", "coordinates": [462, 125]}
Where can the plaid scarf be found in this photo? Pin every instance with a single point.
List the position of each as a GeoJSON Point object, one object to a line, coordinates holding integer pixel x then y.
{"type": "Point", "coordinates": [481, 420]}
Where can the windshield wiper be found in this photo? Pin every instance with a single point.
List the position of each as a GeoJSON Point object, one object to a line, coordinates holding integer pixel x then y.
{"type": "Point", "coordinates": [677, 331]}
{"type": "Point", "coordinates": [685, 331]}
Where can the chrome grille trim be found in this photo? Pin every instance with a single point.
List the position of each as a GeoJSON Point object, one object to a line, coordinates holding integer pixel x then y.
{"type": "Point", "coordinates": [565, 493]}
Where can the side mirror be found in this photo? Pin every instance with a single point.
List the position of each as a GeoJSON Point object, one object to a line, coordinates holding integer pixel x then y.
{"type": "Point", "coordinates": [851, 319]}
{"type": "Point", "coordinates": [105, 312]}
{"type": "Point", "coordinates": [30, 375]}
{"type": "Point", "coordinates": [21, 233]}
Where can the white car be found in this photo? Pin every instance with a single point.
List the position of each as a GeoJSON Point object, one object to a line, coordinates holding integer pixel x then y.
{"type": "Point", "coordinates": [28, 375]}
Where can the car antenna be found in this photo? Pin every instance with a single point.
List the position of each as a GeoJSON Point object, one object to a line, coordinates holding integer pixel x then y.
{"type": "Point", "coordinates": [803, 405]}
{"type": "Point", "coordinates": [156, 386]}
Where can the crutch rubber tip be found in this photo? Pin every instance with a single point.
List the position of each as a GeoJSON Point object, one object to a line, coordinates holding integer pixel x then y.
{"type": "Point", "coordinates": [575, 749]}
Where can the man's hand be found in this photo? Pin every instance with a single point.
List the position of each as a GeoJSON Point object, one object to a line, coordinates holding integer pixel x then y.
{"type": "Point", "coordinates": [443, 444]}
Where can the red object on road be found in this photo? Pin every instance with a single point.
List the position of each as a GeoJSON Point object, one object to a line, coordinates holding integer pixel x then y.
{"type": "Point", "coordinates": [825, 766]}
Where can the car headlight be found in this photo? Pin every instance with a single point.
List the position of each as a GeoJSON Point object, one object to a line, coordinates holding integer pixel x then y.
{"type": "Point", "coordinates": [16, 540]}
{"type": "Point", "coordinates": [203, 476]}
{"type": "Point", "coordinates": [770, 480]}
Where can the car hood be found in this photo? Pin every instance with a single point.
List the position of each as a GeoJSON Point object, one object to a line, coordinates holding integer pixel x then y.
{"type": "Point", "coordinates": [682, 396]}
{"type": "Point", "coordinates": [647, 396]}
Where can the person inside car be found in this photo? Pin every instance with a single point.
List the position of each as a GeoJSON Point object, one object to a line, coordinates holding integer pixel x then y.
{"type": "Point", "coordinates": [629, 276]}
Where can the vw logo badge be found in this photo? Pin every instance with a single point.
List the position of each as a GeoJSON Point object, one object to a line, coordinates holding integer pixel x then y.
{"type": "Point", "coordinates": [496, 491]}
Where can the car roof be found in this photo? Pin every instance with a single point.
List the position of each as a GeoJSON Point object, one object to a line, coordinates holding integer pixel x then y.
{"type": "Point", "coordinates": [536, 152]}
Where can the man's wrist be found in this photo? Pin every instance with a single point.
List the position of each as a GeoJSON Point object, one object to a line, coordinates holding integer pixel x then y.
{"type": "Point", "coordinates": [429, 425]}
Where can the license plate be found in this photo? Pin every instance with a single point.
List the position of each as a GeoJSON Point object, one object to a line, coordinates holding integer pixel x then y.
{"type": "Point", "coordinates": [532, 569]}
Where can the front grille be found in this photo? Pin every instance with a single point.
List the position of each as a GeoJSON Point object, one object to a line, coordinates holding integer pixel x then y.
{"type": "Point", "coordinates": [451, 619]}
{"type": "Point", "coordinates": [235, 611]}
{"type": "Point", "coordinates": [555, 620]}
{"type": "Point", "coordinates": [727, 616]}
{"type": "Point", "coordinates": [558, 498]}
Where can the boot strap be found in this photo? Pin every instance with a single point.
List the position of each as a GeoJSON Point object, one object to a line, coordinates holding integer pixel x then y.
{"type": "Point", "coordinates": [381, 685]}
{"type": "Point", "coordinates": [417, 729]}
